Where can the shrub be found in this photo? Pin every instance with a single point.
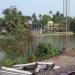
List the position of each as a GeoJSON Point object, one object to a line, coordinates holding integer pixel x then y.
{"type": "Point", "coordinates": [54, 52]}
{"type": "Point", "coordinates": [30, 58]}
{"type": "Point", "coordinates": [42, 50]}
{"type": "Point", "coordinates": [45, 51]}
{"type": "Point", "coordinates": [7, 62]}
{"type": "Point", "coordinates": [20, 60]}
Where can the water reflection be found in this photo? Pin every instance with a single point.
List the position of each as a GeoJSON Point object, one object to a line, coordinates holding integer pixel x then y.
{"type": "Point", "coordinates": [57, 41]}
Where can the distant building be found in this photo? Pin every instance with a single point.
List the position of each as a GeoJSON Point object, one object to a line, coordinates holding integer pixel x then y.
{"type": "Point", "coordinates": [29, 22]}
{"type": "Point", "coordinates": [52, 26]}
{"type": "Point", "coordinates": [35, 27]}
{"type": "Point", "coordinates": [3, 30]}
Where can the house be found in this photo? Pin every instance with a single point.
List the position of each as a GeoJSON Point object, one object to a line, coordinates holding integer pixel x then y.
{"type": "Point", "coordinates": [52, 26]}
{"type": "Point", "coordinates": [37, 27]}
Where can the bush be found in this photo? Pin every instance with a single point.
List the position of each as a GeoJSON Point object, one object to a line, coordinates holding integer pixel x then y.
{"type": "Point", "coordinates": [7, 62]}
{"type": "Point", "coordinates": [54, 52]}
{"type": "Point", "coordinates": [20, 60]}
{"type": "Point", "coordinates": [30, 58]}
{"type": "Point", "coordinates": [42, 50]}
{"type": "Point", "coordinates": [45, 51]}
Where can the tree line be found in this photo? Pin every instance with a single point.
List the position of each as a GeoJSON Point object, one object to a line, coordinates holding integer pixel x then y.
{"type": "Point", "coordinates": [14, 17]}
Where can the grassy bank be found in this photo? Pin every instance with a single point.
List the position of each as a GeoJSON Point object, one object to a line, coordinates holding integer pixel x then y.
{"type": "Point", "coordinates": [41, 52]}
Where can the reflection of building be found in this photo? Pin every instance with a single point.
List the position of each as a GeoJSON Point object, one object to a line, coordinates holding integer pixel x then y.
{"type": "Point", "coordinates": [52, 26]}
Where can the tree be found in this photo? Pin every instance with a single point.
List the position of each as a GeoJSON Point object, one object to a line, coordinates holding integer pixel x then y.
{"type": "Point", "coordinates": [34, 16]}
{"type": "Point", "coordinates": [72, 25]}
{"type": "Point", "coordinates": [45, 19]}
{"type": "Point", "coordinates": [50, 12]}
{"type": "Point", "coordinates": [28, 18]}
{"type": "Point", "coordinates": [2, 23]}
{"type": "Point", "coordinates": [57, 13]}
{"type": "Point", "coordinates": [58, 17]}
{"type": "Point", "coordinates": [40, 16]}
{"type": "Point", "coordinates": [35, 20]}
{"type": "Point", "coordinates": [12, 17]}
{"type": "Point", "coordinates": [15, 23]}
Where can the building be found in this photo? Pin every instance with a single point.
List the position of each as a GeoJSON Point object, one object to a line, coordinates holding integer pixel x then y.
{"type": "Point", "coordinates": [37, 28]}
{"type": "Point", "coordinates": [52, 26]}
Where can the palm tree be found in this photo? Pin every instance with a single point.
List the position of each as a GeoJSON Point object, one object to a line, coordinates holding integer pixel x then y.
{"type": "Point", "coordinates": [40, 16]}
{"type": "Point", "coordinates": [50, 12]}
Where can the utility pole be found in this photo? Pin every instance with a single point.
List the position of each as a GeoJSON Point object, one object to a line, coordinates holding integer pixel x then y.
{"type": "Point", "coordinates": [66, 7]}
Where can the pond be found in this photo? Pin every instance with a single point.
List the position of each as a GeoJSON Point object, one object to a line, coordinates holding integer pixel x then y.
{"type": "Point", "coordinates": [1, 55]}
{"type": "Point", "coordinates": [55, 40]}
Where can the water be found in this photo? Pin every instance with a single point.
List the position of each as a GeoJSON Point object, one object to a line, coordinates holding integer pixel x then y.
{"type": "Point", "coordinates": [1, 55]}
{"type": "Point", "coordinates": [55, 40]}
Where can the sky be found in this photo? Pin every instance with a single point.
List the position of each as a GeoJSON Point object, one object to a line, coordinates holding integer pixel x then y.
{"type": "Point", "coordinates": [28, 7]}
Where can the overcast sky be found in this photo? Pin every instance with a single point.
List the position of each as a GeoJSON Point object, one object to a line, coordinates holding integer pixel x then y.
{"type": "Point", "coordinates": [28, 7]}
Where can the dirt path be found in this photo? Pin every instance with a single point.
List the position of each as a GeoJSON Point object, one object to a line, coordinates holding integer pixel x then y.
{"type": "Point", "coordinates": [63, 60]}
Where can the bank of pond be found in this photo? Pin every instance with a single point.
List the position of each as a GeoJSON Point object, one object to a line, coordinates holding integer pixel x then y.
{"type": "Point", "coordinates": [45, 47]}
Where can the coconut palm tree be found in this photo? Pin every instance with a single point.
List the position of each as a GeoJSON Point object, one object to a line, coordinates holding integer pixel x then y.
{"type": "Point", "coordinates": [50, 12]}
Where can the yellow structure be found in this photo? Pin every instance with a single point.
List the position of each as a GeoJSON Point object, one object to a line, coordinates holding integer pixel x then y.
{"type": "Point", "coordinates": [49, 25]}
{"type": "Point", "coordinates": [52, 26]}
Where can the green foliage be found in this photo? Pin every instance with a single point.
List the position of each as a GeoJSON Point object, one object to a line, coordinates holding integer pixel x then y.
{"type": "Point", "coordinates": [16, 25]}
{"type": "Point", "coordinates": [7, 62]}
{"type": "Point", "coordinates": [44, 20]}
{"type": "Point", "coordinates": [20, 60]}
{"type": "Point", "coordinates": [43, 48]}
{"type": "Point", "coordinates": [54, 52]}
{"type": "Point", "coordinates": [12, 17]}
{"type": "Point", "coordinates": [34, 16]}
{"type": "Point", "coordinates": [45, 51]}
{"type": "Point", "coordinates": [73, 49]}
{"type": "Point", "coordinates": [35, 20]}
{"type": "Point", "coordinates": [72, 26]}
{"type": "Point", "coordinates": [30, 58]}
{"type": "Point", "coordinates": [19, 50]}
{"type": "Point", "coordinates": [2, 23]}
{"type": "Point", "coordinates": [58, 17]}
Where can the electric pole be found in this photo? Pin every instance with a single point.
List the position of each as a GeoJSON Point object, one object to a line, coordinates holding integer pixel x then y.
{"type": "Point", "coordinates": [66, 7]}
